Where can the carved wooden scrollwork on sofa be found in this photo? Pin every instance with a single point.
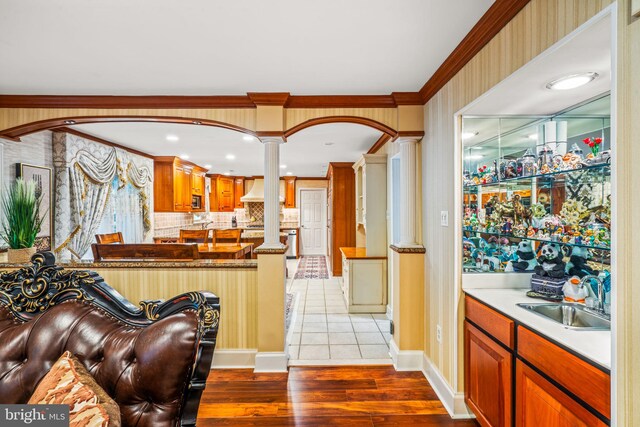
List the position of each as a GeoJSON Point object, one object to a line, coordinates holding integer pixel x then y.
{"type": "Point", "coordinates": [31, 291]}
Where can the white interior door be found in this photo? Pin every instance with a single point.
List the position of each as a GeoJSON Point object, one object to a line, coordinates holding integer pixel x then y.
{"type": "Point", "coordinates": [313, 221]}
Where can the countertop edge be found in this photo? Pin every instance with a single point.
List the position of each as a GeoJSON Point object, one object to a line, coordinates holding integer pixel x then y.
{"type": "Point", "coordinates": [235, 264]}
{"type": "Point", "coordinates": [593, 346]}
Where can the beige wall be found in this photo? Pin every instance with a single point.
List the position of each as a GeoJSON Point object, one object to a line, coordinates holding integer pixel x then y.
{"type": "Point", "coordinates": [540, 24]}
{"type": "Point", "coordinates": [236, 287]}
{"type": "Point", "coordinates": [627, 230]}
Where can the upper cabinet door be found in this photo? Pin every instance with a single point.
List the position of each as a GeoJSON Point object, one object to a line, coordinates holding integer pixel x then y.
{"type": "Point", "coordinates": [225, 194]}
{"type": "Point", "coordinates": [197, 183]}
{"type": "Point", "coordinates": [238, 189]}
{"type": "Point", "coordinates": [179, 188]}
{"type": "Point", "coordinates": [290, 192]}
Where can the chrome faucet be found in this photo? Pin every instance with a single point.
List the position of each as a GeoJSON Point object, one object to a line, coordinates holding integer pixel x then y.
{"type": "Point", "coordinates": [206, 224]}
{"type": "Point", "coordinates": [600, 296]}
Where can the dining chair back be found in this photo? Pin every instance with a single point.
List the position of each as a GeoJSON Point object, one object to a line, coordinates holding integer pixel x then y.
{"type": "Point", "coordinates": [194, 236]}
{"type": "Point", "coordinates": [110, 238]}
{"type": "Point", "coordinates": [227, 236]}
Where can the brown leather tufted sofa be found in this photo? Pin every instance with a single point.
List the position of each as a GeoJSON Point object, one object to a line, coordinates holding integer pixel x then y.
{"type": "Point", "coordinates": [152, 361]}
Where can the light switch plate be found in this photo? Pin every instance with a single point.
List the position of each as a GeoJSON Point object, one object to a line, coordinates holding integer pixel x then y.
{"type": "Point", "coordinates": [444, 218]}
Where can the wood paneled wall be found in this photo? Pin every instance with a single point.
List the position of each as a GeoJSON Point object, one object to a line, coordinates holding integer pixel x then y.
{"type": "Point", "coordinates": [540, 24]}
{"type": "Point", "coordinates": [236, 287]}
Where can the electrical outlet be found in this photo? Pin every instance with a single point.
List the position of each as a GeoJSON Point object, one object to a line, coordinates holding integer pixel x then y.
{"type": "Point", "coordinates": [444, 218]}
{"type": "Point", "coordinates": [439, 334]}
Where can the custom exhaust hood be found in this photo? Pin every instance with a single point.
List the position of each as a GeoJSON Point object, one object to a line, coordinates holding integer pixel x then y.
{"type": "Point", "coordinates": [256, 194]}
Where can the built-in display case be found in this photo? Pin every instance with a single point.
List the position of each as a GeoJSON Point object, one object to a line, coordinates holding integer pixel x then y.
{"type": "Point", "coordinates": [531, 182]}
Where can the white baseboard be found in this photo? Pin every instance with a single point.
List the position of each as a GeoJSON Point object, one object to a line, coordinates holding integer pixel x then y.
{"type": "Point", "coordinates": [234, 359]}
{"type": "Point", "coordinates": [276, 361]}
{"type": "Point", "coordinates": [405, 360]}
{"type": "Point", "coordinates": [452, 401]}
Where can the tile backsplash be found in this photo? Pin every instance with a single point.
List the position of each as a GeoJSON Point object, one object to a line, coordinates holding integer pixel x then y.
{"type": "Point", "coordinates": [168, 224]}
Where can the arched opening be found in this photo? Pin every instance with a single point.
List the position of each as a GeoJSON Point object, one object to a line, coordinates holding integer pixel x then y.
{"type": "Point", "coordinates": [342, 119]}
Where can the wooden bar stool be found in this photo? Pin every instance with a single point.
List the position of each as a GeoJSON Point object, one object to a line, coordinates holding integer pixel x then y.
{"type": "Point", "coordinates": [194, 236]}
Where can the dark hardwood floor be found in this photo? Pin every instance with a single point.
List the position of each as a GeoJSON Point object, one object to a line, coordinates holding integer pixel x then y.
{"type": "Point", "coordinates": [322, 396]}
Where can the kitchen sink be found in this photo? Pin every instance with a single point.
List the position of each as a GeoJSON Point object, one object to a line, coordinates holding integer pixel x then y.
{"type": "Point", "coordinates": [571, 316]}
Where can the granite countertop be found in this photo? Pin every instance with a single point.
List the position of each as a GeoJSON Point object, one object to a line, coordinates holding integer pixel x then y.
{"type": "Point", "coordinates": [593, 345]}
{"type": "Point", "coordinates": [150, 263]}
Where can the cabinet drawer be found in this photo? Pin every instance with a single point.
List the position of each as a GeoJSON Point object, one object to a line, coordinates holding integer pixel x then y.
{"type": "Point", "coordinates": [500, 327]}
{"type": "Point", "coordinates": [582, 379]}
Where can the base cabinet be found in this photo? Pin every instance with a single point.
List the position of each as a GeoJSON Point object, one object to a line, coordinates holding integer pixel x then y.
{"type": "Point", "coordinates": [488, 368]}
{"type": "Point", "coordinates": [364, 285]}
{"type": "Point", "coordinates": [507, 363]}
{"type": "Point", "coordinates": [540, 403]}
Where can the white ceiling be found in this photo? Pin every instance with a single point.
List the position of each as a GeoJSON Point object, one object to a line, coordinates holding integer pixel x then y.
{"type": "Point", "coordinates": [205, 47]}
{"type": "Point", "coordinates": [305, 153]}
{"type": "Point", "coordinates": [524, 92]}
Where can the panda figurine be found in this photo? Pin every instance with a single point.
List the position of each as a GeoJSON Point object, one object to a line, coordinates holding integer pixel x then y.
{"type": "Point", "coordinates": [526, 258]}
{"type": "Point", "coordinates": [550, 261]}
{"type": "Point", "coordinates": [577, 265]}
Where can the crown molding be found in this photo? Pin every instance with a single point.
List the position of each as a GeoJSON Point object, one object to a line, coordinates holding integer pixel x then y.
{"type": "Point", "coordinates": [407, 98]}
{"type": "Point", "coordinates": [341, 101]}
{"type": "Point", "coordinates": [268, 98]}
{"type": "Point", "coordinates": [497, 16]}
{"type": "Point", "coordinates": [100, 101]}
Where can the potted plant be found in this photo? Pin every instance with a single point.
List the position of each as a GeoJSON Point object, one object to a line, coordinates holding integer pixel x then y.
{"type": "Point", "coordinates": [22, 220]}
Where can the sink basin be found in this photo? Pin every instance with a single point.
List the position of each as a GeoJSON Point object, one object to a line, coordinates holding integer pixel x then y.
{"type": "Point", "coordinates": [573, 316]}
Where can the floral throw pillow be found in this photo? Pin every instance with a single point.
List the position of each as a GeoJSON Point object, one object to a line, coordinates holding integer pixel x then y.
{"type": "Point", "coordinates": [68, 382]}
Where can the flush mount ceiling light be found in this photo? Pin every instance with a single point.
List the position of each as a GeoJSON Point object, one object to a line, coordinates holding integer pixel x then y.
{"type": "Point", "coordinates": [467, 135]}
{"type": "Point", "coordinates": [283, 166]}
{"type": "Point", "coordinates": [230, 157]}
{"type": "Point", "coordinates": [571, 82]}
{"type": "Point", "coordinates": [172, 138]}
{"type": "Point", "coordinates": [184, 156]}
{"type": "Point", "coordinates": [207, 166]}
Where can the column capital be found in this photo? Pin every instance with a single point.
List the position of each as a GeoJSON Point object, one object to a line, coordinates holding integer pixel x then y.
{"type": "Point", "coordinates": [408, 136]}
{"type": "Point", "coordinates": [271, 137]}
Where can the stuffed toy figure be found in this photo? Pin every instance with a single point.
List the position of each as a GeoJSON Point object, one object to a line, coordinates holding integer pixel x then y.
{"type": "Point", "coordinates": [550, 263]}
{"type": "Point", "coordinates": [577, 265]}
{"type": "Point", "coordinates": [526, 258]}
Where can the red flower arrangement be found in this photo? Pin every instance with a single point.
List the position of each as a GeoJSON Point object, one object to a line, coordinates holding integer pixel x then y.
{"type": "Point", "coordinates": [594, 144]}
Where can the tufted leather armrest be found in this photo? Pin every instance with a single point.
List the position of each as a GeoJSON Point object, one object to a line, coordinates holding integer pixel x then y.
{"type": "Point", "coordinates": [153, 361]}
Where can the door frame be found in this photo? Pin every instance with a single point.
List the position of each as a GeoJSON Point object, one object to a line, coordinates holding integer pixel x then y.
{"type": "Point", "coordinates": [299, 190]}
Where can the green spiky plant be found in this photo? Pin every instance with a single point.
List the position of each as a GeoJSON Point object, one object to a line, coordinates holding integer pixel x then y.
{"type": "Point", "coordinates": [21, 209]}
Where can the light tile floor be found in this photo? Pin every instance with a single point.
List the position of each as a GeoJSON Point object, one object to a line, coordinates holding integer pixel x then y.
{"type": "Point", "coordinates": [324, 333]}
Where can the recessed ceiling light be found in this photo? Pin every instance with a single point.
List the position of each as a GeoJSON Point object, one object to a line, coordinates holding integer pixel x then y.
{"type": "Point", "coordinates": [248, 138]}
{"type": "Point", "coordinates": [207, 166]}
{"type": "Point", "coordinates": [172, 138]}
{"type": "Point", "coordinates": [476, 148]}
{"type": "Point", "coordinates": [283, 166]}
{"type": "Point", "coordinates": [474, 157]}
{"type": "Point", "coordinates": [571, 82]}
{"type": "Point", "coordinates": [533, 136]}
{"type": "Point", "coordinates": [230, 157]}
{"type": "Point", "coordinates": [289, 173]}
{"type": "Point", "coordinates": [184, 156]}
{"type": "Point", "coordinates": [227, 173]}
{"type": "Point", "coordinates": [69, 122]}
{"type": "Point", "coordinates": [467, 135]}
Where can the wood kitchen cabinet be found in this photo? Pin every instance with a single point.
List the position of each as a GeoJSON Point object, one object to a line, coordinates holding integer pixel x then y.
{"type": "Point", "coordinates": [175, 183]}
{"type": "Point", "coordinates": [290, 192]}
{"type": "Point", "coordinates": [222, 197]}
{"type": "Point", "coordinates": [553, 387]}
{"type": "Point", "coordinates": [487, 378]}
{"type": "Point", "coordinates": [238, 191]}
{"type": "Point", "coordinates": [341, 215]}
{"type": "Point", "coordinates": [540, 403]}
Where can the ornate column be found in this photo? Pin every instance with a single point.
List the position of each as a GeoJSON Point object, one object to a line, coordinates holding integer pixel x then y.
{"type": "Point", "coordinates": [408, 191]}
{"type": "Point", "coordinates": [271, 192]}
